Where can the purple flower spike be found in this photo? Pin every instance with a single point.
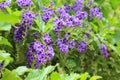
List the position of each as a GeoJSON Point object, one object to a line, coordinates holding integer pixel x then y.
{"type": "Point", "coordinates": [27, 18]}
{"type": "Point", "coordinates": [47, 39]}
{"type": "Point", "coordinates": [95, 12]}
{"type": "Point", "coordinates": [104, 50]}
{"type": "Point", "coordinates": [82, 46]}
{"type": "Point", "coordinates": [19, 33]}
{"type": "Point", "coordinates": [24, 3]}
{"type": "Point", "coordinates": [72, 44]}
{"type": "Point", "coordinates": [4, 4]}
{"type": "Point", "coordinates": [38, 54]}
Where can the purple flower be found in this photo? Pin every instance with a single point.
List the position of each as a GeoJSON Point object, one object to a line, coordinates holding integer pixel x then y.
{"type": "Point", "coordinates": [47, 14]}
{"type": "Point", "coordinates": [78, 5]}
{"type": "Point", "coordinates": [76, 21]}
{"type": "Point", "coordinates": [72, 21]}
{"type": "Point", "coordinates": [46, 17]}
{"type": "Point", "coordinates": [80, 1]}
{"type": "Point", "coordinates": [64, 44]}
{"type": "Point", "coordinates": [95, 12]}
{"type": "Point", "coordinates": [59, 41]}
{"type": "Point", "coordinates": [104, 50]}
{"type": "Point", "coordinates": [47, 39]}
{"type": "Point", "coordinates": [67, 8]}
{"type": "Point", "coordinates": [50, 53]}
{"type": "Point", "coordinates": [65, 40]}
{"type": "Point", "coordinates": [80, 15]}
{"type": "Point", "coordinates": [24, 3]}
{"type": "Point", "coordinates": [19, 33]}
{"type": "Point", "coordinates": [59, 24]}
{"type": "Point", "coordinates": [38, 54]}
{"type": "Point", "coordinates": [69, 21]}
{"type": "Point", "coordinates": [64, 48]}
{"type": "Point", "coordinates": [35, 35]}
{"type": "Point", "coordinates": [4, 4]}
{"type": "Point", "coordinates": [27, 18]}
{"type": "Point", "coordinates": [71, 44]}
{"type": "Point", "coordinates": [82, 46]}
{"type": "Point", "coordinates": [62, 13]}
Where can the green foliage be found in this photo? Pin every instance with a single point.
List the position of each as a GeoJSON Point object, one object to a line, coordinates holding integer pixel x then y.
{"type": "Point", "coordinates": [40, 74]}
{"type": "Point", "coordinates": [95, 77]}
{"type": "Point", "coordinates": [9, 18]}
{"type": "Point", "coordinates": [4, 41]}
{"type": "Point", "coordinates": [10, 75]}
{"type": "Point", "coordinates": [5, 26]}
{"type": "Point", "coordinates": [22, 69]}
{"type": "Point", "coordinates": [5, 57]}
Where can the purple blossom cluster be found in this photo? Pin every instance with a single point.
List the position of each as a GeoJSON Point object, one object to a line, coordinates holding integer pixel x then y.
{"type": "Point", "coordinates": [95, 12]}
{"type": "Point", "coordinates": [65, 44]}
{"type": "Point", "coordinates": [38, 53]}
{"type": "Point", "coordinates": [104, 50]}
{"type": "Point", "coordinates": [78, 5]}
{"type": "Point", "coordinates": [19, 33]}
{"type": "Point", "coordinates": [24, 3]}
{"type": "Point", "coordinates": [27, 18]}
{"type": "Point", "coordinates": [47, 39]}
{"type": "Point", "coordinates": [82, 46]}
{"type": "Point", "coordinates": [47, 14]}
{"type": "Point", "coordinates": [66, 19]}
{"type": "Point", "coordinates": [26, 22]}
{"type": "Point", "coordinates": [5, 4]}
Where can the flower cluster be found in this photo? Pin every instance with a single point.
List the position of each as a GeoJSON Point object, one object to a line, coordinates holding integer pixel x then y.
{"type": "Point", "coordinates": [66, 19]}
{"type": "Point", "coordinates": [24, 3]}
{"type": "Point", "coordinates": [78, 5]}
{"type": "Point", "coordinates": [69, 16]}
{"type": "Point", "coordinates": [95, 12]}
{"type": "Point", "coordinates": [26, 22]}
{"type": "Point", "coordinates": [47, 39]}
{"type": "Point", "coordinates": [4, 4]}
{"type": "Point", "coordinates": [82, 46]}
{"type": "Point", "coordinates": [47, 14]}
{"type": "Point", "coordinates": [27, 18]}
{"type": "Point", "coordinates": [19, 33]}
{"type": "Point", "coordinates": [65, 44]}
{"type": "Point", "coordinates": [104, 50]}
{"type": "Point", "coordinates": [38, 53]}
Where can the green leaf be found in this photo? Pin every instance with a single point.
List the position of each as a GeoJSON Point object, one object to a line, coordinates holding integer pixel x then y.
{"type": "Point", "coordinates": [72, 76]}
{"type": "Point", "coordinates": [4, 41]}
{"type": "Point", "coordinates": [95, 77]}
{"type": "Point", "coordinates": [40, 74]}
{"type": "Point", "coordinates": [55, 76]}
{"type": "Point", "coordinates": [46, 71]}
{"type": "Point", "coordinates": [6, 58]}
{"type": "Point", "coordinates": [22, 69]}
{"type": "Point", "coordinates": [9, 18]}
{"type": "Point", "coordinates": [84, 76]}
{"type": "Point", "coordinates": [8, 9]}
{"type": "Point", "coordinates": [70, 63]}
{"type": "Point", "coordinates": [5, 26]}
{"type": "Point", "coordinates": [11, 76]}
{"type": "Point", "coordinates": [49, 26]}
{"type": "Point", "coordinates": [34, 75]}
{"type": "Point", "coordinates": [94, 27]}
{"type": "Point", "coordinates": [114, 3]}
{"type": "Point", "coordinates": [45, 2]}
